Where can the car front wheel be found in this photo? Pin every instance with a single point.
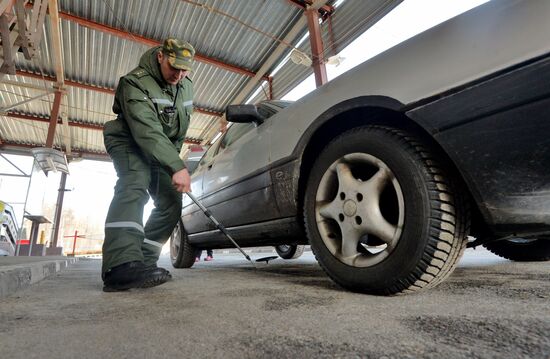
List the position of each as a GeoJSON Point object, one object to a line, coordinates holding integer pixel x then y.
{"type": "Point", "coordinates": [381, 213]}
{"type": "Point", "coordinates": [182, 254]}
{"type": "Point", "coordinates": [521, 250]}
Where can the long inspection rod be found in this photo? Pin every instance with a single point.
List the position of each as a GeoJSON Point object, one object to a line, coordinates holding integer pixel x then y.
{"type": "Point", "coordinates": [219, 225]}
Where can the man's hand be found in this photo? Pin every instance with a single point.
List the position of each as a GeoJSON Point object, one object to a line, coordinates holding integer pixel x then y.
{"type": "Point", "coordinates": [182, 181]}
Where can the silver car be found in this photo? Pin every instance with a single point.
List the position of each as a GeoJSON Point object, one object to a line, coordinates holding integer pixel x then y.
{"type": "Point", "coordinates": [388, 169]}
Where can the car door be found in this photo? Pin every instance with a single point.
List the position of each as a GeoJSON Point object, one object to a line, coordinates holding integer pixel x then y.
{"type": "Point", "coordinates": [236, 183]}
{"type": "Point", "coordinates": [194, 219]}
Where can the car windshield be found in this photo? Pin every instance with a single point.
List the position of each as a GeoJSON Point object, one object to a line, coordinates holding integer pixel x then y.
{"type": "Point", "coordinates": [279, 103]}
{"type": "Point", "coordinates": [271, 107]}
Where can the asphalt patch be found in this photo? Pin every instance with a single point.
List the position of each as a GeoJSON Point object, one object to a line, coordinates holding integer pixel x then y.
{"type": "Point", "coordinates": [510, 274]}
{"type": "Point", "coordinates": [487, 337]}
{"type": "Point", "coordinates": [292, 347]}
{"type": "Point", "coordinates": [318, 283]}
{"type": "Point", "coordinates": [249, 292]}
{"type": "Point", "coordinates": [524, 289]}
{"type": "Point", "coordinates": [285, 303]}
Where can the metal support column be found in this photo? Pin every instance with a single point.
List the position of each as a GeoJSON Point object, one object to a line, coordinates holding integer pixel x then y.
{"type": "Point", "coordinates": [58, 210]}
{"type": "Point", "coordinates": [316, 42]}
{"type": "Point", "coordinates": [54, 117]}
{"type": "Point", "coordinates": [270, 82]}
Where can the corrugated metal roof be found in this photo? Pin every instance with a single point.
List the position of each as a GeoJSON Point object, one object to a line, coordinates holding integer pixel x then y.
{"type": "Point", "coordinates": [23, 131]}
{"type": "Point", "coordinates": [242, 34]}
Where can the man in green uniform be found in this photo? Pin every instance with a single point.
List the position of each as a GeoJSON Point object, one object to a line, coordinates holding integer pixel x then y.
{"type": "Point", "coordinates": [154, 104]}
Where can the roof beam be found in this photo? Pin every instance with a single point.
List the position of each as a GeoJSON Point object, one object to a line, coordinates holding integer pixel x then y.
{"type": "Point", "coordinates": [47, 93]}
{"type": "Point", "coordinates": [67, 82]}
{"type": "Point", "coordinates": [54, 118]}
{"type": "Point", "coordinates": [56, 42]}
{"type": "Point", "coordinates": [88, 126]}
{"type": "Point", "coordinates": [60, 79]}
{"type": "Point", "coordinates": [26, 85]}
{"type": "Point", "coordinates": [103, 90]}
{"type": "Point", "coordinates": [21, 148]}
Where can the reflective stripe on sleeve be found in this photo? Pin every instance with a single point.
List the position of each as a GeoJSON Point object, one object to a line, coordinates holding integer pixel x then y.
{"type": "Point", "coordinates": [153, 243]}
{"type": "Point", "coordinates": [135, 225]}
{"type": "Point", "coordinates": [162, 101]}
{"type": "Point", "coordinates": [188, 103]}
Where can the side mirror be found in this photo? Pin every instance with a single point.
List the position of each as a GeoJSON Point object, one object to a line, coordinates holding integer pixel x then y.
{"type": "Point", "coordinates": [243, 114]}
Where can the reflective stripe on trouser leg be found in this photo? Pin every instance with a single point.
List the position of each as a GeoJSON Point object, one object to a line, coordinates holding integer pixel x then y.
{"type": "Point", "coordinates": [150, 249]}
{"type": "Point", "coordinates": [124, 232]}
{"type": "Point", "coordinates": [164, 216]}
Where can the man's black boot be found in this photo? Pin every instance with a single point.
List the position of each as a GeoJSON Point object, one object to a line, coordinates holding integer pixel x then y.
{"type": "Point", "coordinates": [164, 270]}
{"type": "Point", "coordinates": [133, 275]}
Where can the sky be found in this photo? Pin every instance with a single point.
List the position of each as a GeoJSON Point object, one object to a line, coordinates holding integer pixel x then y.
{"type": "Point", "coordinates": [91, 183]}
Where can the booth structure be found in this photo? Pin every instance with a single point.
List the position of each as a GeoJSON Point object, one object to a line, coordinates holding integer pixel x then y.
{"type": "Point", "coordinates": [33, 248]}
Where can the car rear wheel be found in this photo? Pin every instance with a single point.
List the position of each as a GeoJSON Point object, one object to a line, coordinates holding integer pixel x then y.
{"type": "Point", "coordinates": [521, 250]}
{"type": "Point", "coordinates": [290, 251]}
{"type": "Point", "coordinates": [182, 254]}
{"type": "Point", "coordinates": [381, 213]}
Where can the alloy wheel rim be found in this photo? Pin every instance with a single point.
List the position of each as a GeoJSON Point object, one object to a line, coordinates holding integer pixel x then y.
{"type": "Point", "coordinates": [175, 243]}
{"type": "Point", "coordinates": [359, 210]}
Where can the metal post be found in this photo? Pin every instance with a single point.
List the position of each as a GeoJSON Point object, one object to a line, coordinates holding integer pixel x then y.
{"type": "Point", "coordinates": [270, 82]}
{"type": "Point", "coordinates": [34, 229]}
{"type": "Point", "coordinates": [54, 118]}
{"type": "Point", "coordinates": [316, 42]}
{"type": "Point", "coordinates": [59, 207]}
{"type": "Point", "coordinates": [74, 241]}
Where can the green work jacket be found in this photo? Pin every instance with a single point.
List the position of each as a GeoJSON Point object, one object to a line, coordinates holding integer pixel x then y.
{"type": "Point", "coordinates": [141, 100]}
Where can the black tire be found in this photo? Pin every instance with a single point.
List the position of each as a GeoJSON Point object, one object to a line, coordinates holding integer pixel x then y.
{"type": "Point", "coordinates": [521, 250]}
{"type": "Point", "coordinates": [290, 251]}
{"type": "Point", "coordinates": [384, 182]}
{"type": "Point", "coordinates": [182, 254]}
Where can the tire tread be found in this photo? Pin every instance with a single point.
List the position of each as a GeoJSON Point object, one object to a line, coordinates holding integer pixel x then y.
{"type": "Point", "coordinates": [428, 271]}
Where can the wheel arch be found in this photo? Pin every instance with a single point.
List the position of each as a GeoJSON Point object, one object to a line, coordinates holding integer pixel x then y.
{"type": "Point", "coordinates": [371, 110]}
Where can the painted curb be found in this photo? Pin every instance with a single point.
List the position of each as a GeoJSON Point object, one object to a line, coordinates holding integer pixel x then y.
{"type": "Point", "coordinates": [21, 276]}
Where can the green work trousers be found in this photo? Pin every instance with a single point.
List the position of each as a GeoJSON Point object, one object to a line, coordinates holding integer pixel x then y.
{"type": "Point", "coordinates": [126, 239]}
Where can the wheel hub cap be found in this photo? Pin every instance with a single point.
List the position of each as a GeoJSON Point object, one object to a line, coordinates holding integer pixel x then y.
{"type": "Point", "coordinates": [359, 222]}
{"type": "Point", "coordinates": [350, 208]}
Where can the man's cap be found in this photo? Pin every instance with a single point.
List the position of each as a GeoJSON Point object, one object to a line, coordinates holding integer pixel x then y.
{"type": "Point", "coordinates": [180, 53]}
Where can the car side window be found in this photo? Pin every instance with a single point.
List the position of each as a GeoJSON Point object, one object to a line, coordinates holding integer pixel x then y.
{"type": "Point", "coordinates": [266, 111]}
{"type": "Point", "coordinates": [234, 132]}
{"type": "Point", "coordinates": [208, 155]}
{"type": "Point", "coordinates": [270, 108]}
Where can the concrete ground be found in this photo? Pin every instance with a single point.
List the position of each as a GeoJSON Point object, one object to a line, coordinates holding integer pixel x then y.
{"type": "Point", "coordinates": [489, 308]}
